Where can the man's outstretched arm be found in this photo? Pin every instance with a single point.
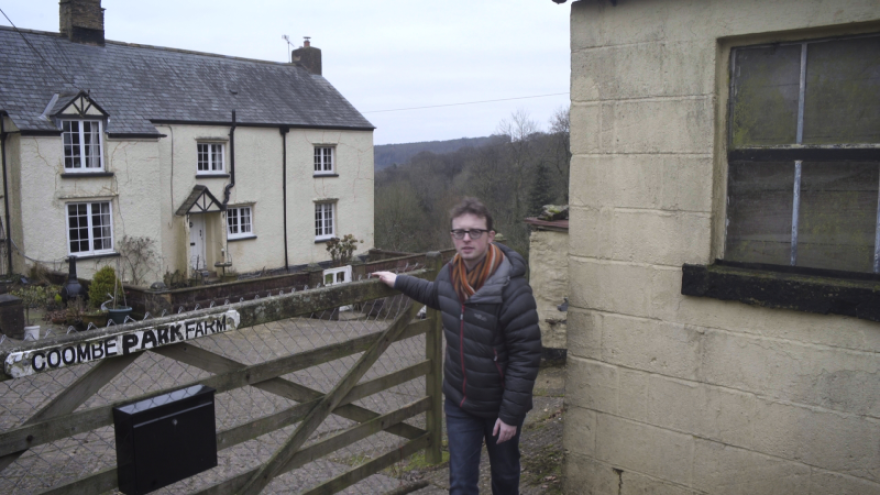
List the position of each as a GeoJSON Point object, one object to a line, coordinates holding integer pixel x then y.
{"type": "Point", "coordinates": [422, 291]}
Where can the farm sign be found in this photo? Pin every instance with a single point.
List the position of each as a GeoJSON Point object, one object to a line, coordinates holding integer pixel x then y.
{"type": "Point", "coordinates": [23, 363]}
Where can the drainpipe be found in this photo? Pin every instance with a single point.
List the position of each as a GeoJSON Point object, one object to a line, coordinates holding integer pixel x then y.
{"type": "Point", "coordinates": [6, 193]}
{"type": "Point", "coordinates": [231, 184]}
{"type": "Point", "coordinates": [284, 131]}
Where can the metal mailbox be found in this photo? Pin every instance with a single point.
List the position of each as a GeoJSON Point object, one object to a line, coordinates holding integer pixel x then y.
{"type": "Point", "coordinates": [164, 439]}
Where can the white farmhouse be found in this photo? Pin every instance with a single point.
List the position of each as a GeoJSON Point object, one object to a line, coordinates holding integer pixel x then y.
{"type": "Point", "coordinates": [217, 159]}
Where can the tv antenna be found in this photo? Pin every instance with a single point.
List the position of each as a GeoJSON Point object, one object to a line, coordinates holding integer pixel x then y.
{"type": "Point", "coordinates": [289, 51]}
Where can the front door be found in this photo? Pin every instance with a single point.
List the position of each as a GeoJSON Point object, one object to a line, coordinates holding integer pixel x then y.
{"type": "Point", "coordinates": [197, 242]}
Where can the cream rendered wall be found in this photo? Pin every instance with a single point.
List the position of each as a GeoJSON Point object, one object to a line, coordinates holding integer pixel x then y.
{"type": "Point", "coordinates": [548, 270]}
{"type": "Point", "coordinates": [41, 196]}
{"type": "Point", "coordinates": [680, 395]}
{"type": "Point", "coordinates": [353, 190]}
{"type": "Point", "coordinates": [258, 175]}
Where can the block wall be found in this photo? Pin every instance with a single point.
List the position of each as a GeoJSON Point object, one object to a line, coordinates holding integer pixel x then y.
{"type": "Point", "coordinates": [668, 394]}
{"type": "Point", "coordinates": [548, 276]}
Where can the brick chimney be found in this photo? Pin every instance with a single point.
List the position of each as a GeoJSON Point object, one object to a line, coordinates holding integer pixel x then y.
{"type": "Point", "coordinates": [308, 56]}
{"type": "Point", "coordinates": [82, 21]}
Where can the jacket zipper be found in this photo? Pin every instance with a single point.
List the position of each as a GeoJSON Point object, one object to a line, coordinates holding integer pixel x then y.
{"type": "Point", "coordinates": [461, 356]}
{"type": "Point", "coordinates": [497, 365]}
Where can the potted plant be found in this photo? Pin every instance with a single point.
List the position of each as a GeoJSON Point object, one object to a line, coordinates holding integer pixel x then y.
{"type": "Point", "coordinates": [99, 294]}
{"type": "Point", "coordinates": [118, 312]}
{"type": "Point", "coordinates": [341, 250]}
{"type": "Point", "coordinates": [32, 296]}
{"type": "Point", "coordinates": [77, 313]}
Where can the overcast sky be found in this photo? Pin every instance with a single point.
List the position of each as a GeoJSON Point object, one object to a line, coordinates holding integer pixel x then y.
{"type": "Point", "coordinates": [380, 54]}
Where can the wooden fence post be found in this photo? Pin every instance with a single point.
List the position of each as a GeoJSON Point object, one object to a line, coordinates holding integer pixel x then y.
{"type": "Point", "coordinates": [434, 378]}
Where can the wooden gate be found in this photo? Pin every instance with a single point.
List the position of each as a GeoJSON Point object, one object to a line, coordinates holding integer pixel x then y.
{"type": "Point", "coordinates": [81, 365]}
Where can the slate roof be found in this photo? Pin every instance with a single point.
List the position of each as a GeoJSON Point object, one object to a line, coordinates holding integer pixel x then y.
{"type": "Point", "coordinates": [137, 84]}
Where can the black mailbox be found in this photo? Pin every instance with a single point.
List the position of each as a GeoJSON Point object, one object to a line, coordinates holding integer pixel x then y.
{"type": "Point", "coordinates": [164, 439]}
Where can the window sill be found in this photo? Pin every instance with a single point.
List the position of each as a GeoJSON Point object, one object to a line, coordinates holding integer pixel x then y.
{"type": "Point", "coordinates": [325, 176]}
{"type": "Point", "coordinates": [323, 240]}
{"type": "Point", "coordinates": [242, 238]}
{"type": "Point", "coordinates": [80, 257]}
{"type": "Point", "coordinates": [85, 175]}
{"type": "Point", "coordinates": [212, 176]}
{"type": "Point", "coordinates": [794, 288]}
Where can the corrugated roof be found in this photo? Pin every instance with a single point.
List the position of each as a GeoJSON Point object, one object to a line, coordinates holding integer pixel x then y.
{"type": "Point", "coordinates": [137, 84]}
{"type": "Point", "coordinates": [560, 225]}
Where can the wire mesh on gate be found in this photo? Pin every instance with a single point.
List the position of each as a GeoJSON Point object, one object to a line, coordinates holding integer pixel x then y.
{"type": "Point", "coordinates": [89, 453]}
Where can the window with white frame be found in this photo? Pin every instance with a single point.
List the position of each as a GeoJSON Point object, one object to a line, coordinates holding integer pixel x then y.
{"type": "Point", "coordinates": [89, 228]}
{"type": "Point", "coordinates": [324, 160]}
{"type": "Point", "coordinates": [324, 221]}
{"type": "Point", "coordinates": [82, 145]}
{"type": "Point", "coordinates": [210, 160]}
{"type": "Point", "coordinates": [338, 275]}
{"type": "Point", "coordinates": [239, 222]}
{"type": "Point", "coordinates": [804, 154]}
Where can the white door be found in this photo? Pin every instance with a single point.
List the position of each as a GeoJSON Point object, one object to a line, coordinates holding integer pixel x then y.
{"type": "Point", "coordinates": [197, 242]}
{"type": "Point", "coordinates": [339, 275]}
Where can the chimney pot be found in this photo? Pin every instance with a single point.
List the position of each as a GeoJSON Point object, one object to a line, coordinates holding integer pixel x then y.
{"type": "Point", "coordinates": [82, 21]}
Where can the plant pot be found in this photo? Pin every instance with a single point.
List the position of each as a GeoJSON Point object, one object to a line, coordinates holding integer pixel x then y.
{"type": "Point", "coordinates": [32, 332]}
{"type": "Point", "coordinates": [99, 318]}
{"type": "Point", "coordinates": [118, 314]}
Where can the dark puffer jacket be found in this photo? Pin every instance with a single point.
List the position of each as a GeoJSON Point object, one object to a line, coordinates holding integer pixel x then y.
{"type": "Point", "coordinates": [490, 367]}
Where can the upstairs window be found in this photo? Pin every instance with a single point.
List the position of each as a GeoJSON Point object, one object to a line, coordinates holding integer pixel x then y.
{"type": "Point", "coordinates": [324, 160]}
{"type": "Point", "coordinates": [239, 222]}
{"type": "Point", "coordinates": [82, 145]}
{"type": "Point", "coordinates": [804, 154]}
{"type": "Point", "coordinates": [210, 158]}
{"type": "Point", "coordinates": [89, 228]}
{"type": "Point", "coordinates": [324, 221]}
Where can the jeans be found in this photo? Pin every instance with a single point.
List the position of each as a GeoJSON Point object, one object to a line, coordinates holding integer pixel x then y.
{"type": "Point", "coordinates": [466, 434]}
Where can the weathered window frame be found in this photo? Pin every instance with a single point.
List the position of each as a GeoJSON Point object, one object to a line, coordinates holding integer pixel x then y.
{"type": "Point", "coordinates": [798, 288]}
{"type": "Point", "coordinates": [799, 152]}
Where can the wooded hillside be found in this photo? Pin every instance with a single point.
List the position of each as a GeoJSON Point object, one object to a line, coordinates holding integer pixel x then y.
{"type": "Point", "coordinates": [514, 174]}
{"type": "Point", "coordinates": [385, 155]}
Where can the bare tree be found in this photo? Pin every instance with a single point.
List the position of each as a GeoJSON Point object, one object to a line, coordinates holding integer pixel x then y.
{"type": "Point", "coordinates": [560, 127]}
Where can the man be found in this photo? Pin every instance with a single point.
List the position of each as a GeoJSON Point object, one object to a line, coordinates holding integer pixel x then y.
{"type": "Point", "coordinates": [493, 348]}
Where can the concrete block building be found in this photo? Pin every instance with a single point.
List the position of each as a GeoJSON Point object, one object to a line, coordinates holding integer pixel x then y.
{"type": "Point", "coordinates": [219, 160]}
{"type": "Point", "coordinates": [724, 325]}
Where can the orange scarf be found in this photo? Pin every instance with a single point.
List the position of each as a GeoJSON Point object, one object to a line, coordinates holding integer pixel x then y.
{"type": "Point", "coordinates": [465, 282]}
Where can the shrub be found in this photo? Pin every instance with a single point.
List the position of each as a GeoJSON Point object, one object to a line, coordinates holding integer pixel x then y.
{"type": "Point", "coordinates": [102, 284]}
{"type": "Point", "coordinates": [32, 296]}
{"type": "Point", "coordinates": [341, 250]}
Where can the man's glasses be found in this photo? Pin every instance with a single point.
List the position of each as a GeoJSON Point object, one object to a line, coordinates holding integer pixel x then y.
{"type": "Point", "coordinates": [475, 233]}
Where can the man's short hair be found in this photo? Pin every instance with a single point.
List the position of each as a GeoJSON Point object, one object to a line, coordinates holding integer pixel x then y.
{"type": "Point", "coordinates": [474, 207]}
